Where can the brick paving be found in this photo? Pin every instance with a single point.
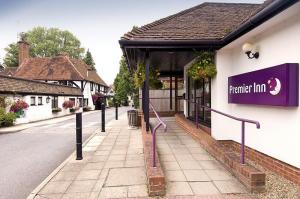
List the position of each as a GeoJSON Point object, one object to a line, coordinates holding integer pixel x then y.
{"type": "Point", "coordinates": [190, 170]}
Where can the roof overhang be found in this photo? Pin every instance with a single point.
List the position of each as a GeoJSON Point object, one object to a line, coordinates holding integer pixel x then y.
{"type": "Point", "coordinates": [129, 46]}
{"type": "Point", "coordinates": [171, 44]}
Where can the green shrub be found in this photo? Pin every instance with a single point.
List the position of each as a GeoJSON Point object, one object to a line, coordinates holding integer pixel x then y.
{"type": "Point", "coordinates": [2, 114]}
{"type": "Point", "coordinates": [7, 119]}
{"type": "Point", "coordinates": [110, 103]}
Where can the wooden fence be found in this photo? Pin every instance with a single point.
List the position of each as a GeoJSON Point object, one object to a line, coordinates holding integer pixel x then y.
{"type": "Point", "coordinates": [160, 99]}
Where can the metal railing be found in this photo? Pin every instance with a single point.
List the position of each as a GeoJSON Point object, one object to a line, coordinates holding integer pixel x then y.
{"type": "Point", "coordinates": [160, 122]}
{"type": "Point", "coordinates": [242, 120]}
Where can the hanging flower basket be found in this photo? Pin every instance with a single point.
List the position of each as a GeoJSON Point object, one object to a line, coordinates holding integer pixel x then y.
{"type": "Point", "coordinates": [204, 66]}
{"type": "Point", "coordinates": [140, 77]}
{"type": "Point", "coordinates": [97, 97]}
{"type": "Point", "coordinates": [18, 108]}
{"type": "Point", "coordinates": [68, 104]}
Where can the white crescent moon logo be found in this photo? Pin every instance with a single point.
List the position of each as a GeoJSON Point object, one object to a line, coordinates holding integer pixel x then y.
{"type": "Point", "coordinates": [277, 88]}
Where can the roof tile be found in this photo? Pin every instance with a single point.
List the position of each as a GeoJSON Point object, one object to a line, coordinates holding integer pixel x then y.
{"type": "Point", "coordinates": [57, 68]}
{"type": "Point", "coordinates": [20, 86]}
{"type": "Point", "coordinates": [203, 22]}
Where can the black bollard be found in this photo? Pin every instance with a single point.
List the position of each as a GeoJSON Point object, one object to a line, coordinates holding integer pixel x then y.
{"type": "Point", "coordinates": [116, 105]}
{"type": "Point", "coordinates": [78, 136]}
{"type": "Point", "coordinates": [103, 117]}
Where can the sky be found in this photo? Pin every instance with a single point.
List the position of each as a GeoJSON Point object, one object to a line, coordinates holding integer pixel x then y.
{"type": "Point", "coordinates": [98, 24]}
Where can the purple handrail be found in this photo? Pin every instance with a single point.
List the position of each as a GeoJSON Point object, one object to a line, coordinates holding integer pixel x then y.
{"type": "Point", "coordinates": [242, 120]}
{"type": "Point", "coordinates": [160, 122]}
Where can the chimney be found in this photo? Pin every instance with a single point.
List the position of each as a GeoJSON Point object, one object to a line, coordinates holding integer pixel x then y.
{"type": "Point", "coordinates": [23, 50]}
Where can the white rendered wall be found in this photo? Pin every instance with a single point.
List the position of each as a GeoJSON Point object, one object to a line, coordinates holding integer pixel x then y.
{"type": "Point", "coordinates": [41, 112]}
{"type": "Point", "coordinates": [279, 42]}
{"type": "Point", "coordinates": [87, 93]}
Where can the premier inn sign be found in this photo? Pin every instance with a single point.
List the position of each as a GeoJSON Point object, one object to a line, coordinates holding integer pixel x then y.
{"type": "Point", "coordinates": [274, 86]}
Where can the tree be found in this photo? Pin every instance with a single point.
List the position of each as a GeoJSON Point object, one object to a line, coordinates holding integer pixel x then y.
{"type": "Point", "coordinates": [88, 59]}
{"type": "Point", "coordinates": [46, 42]}
{"type": "Point", "coordinates": [11, 57]}
{"type": "Point", "coordinates": [123, 83]}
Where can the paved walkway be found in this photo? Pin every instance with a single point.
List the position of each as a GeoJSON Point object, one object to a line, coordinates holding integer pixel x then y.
{"type": "Point", "coordinates": [189, 169]}
{"type": "Point", "coordinates": [113, 167]}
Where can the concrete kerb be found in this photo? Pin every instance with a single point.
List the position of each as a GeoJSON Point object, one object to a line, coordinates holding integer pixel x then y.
{"type": "Point", "coordinates": [36, 123]}
{"type": "Point", "coordinates": [44, 182]}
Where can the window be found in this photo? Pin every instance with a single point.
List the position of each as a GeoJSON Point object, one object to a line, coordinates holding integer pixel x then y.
{"type": "Point", "coordinates": [80, 102]}
{"type": "Point", "coordinates": [73, 100]}
{"type": "Point", "coordinates": [92, 86]}
{"type": "Point", "coordinates": [54, 102]}
{"type": "Point", "coordinates": [40, 100]}
{"type": "Point", "coordinates": [85, 102]}
{"type": "Point", "coordinates": [32, 101]}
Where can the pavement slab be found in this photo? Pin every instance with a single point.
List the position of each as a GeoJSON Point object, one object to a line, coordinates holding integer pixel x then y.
{"type": "Point", "coordinates": [191, 172]}
{"type": "Point", "coordinates": [112, 167]}
{"type": "Point", "coordinates": [126, 176]}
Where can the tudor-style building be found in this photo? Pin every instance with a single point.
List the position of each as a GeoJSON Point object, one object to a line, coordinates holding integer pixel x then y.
{"type": "Point", "coordinates": [62, 70]}
{"type": "Point", "coordinates": [44, 100]}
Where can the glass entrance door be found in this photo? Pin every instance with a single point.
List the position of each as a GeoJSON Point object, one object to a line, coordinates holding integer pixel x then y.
{"type": "Point", "coordinates": [200, 91]}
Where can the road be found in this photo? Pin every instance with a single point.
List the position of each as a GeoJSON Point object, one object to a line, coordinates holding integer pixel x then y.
{"type": "Point", "coordinates": [29, 156]}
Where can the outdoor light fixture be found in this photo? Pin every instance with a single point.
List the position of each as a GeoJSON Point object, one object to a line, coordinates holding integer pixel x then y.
{"type": "Point", "coordinates": [250, 51]}
{"type": "Point", "coordinates": [47, 99]}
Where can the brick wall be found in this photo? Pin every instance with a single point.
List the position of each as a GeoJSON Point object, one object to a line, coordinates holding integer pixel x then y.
{"type": "Point", "coordinates": [155, 176]}
{"type": "Point", "coordinates": [281, 168]}
{"type": "Point", "coordinates": [252, 178]}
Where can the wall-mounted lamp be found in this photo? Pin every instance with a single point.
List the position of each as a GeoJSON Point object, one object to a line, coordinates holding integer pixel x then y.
{"type": "Point", "coordinates": [250, 51]}
{"type": "Point", "coordinates": [47, 99]}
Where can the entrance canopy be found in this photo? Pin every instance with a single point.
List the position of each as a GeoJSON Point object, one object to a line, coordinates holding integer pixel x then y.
{"type": "Point", "coordinates": [169, 43]}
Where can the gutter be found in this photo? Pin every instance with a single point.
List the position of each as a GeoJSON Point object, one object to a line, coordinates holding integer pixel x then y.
{"type": "Point", "coordinates": [163, 44]}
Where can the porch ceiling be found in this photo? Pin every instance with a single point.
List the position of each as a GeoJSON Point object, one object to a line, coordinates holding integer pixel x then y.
{"type": "Point", "coordinates": [168, 61]}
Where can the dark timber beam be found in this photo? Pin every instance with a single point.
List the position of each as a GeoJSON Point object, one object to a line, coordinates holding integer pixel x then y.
{"type": "Point", "coordinates": [176, 94]}
{"type": "Point", "coordinates": [143, 100]}
{"type": "Point", "coordinates": [171, 92]}
{"type": "Point", "coordinates": [146, 113]}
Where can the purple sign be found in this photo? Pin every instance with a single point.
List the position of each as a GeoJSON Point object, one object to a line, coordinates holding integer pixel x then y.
{"type": "Point", "coordinates": [275, 86]}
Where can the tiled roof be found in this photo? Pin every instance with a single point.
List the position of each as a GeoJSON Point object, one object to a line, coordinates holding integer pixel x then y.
{"type": "Point", "coordinates": [207, 21]}
{"type": "Point", "coordinates": [57, 68]}
{"type": "Point", "coordinates": [15, 85]}
{"type": "Point", "coordinates": [9, 71]}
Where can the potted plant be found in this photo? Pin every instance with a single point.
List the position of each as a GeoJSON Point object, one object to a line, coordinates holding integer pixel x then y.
{"type": "Point", "coordinates": [18, 108]}
{"type": "Point", "coordinates": [204, 66]}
